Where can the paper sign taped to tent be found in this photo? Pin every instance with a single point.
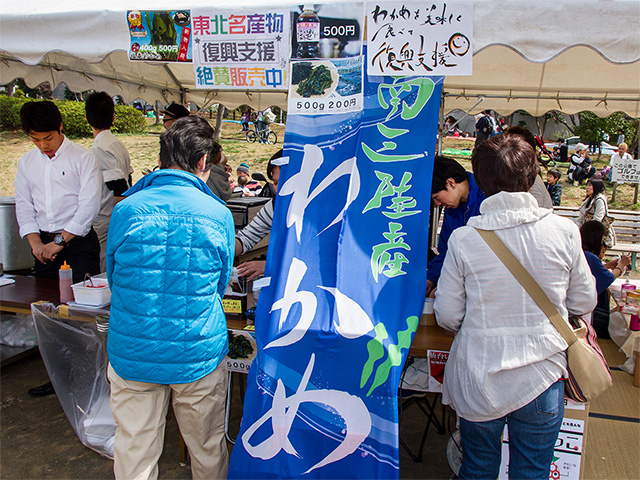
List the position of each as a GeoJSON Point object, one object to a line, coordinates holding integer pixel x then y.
{"type": "Point", "coordinates": [241, 48]}
{"type": "Point", "coordinates": [330, 30]}
{"type": "Point", "coordinates": [326, 86]}
{"type": "Point", "coordinates": [417, 38]}
{"type": "Point", "coordinates": [163, 36]}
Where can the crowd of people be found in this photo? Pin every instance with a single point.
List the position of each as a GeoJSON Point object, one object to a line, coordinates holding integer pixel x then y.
{"type": "Point", "coordinates": [169, 242]}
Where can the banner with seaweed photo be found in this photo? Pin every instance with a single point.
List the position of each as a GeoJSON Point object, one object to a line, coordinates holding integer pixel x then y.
{"type": "Point", "coordinates": [347, 266]}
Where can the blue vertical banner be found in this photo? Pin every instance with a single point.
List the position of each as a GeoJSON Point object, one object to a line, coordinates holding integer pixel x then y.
{"type": "Point", "coordinates": [347, 266]}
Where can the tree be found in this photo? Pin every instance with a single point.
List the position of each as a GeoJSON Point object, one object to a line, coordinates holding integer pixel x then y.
{"type": "Point", "coordinates": [595, 129]}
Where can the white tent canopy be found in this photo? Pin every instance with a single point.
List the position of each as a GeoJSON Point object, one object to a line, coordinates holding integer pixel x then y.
{"type": "Point", "coordinates": [534, 56]}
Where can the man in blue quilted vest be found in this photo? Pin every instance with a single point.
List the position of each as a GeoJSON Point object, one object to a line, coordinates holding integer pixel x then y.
{"type": "Point", "coordinates": [169, 256]}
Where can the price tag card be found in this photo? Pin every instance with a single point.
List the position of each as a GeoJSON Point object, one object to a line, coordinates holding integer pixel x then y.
{"type": "Point", "coordinates": [324, 87]}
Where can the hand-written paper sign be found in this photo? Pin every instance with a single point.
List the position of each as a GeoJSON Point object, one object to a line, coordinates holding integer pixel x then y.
{"type": "Point", "coordinates": [417, 38]}
{"type": "Point", "coordinates": [238, 48]}
{"type": "Point", "coordinates": [626, 171]}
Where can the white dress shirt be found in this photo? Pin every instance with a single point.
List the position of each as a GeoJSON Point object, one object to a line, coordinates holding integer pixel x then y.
{"type": "Point", "coordinates": [507, 352]}
{"type": "Point", "coordinates": [616, 158]}
{"type": "Point", "coordinates": [114, 162]}
{"type": "Point", "coordinates": [59, 193]}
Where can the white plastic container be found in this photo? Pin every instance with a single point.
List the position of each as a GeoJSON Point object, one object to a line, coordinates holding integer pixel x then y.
{"type": "Point", "coordinates": [95, 292]}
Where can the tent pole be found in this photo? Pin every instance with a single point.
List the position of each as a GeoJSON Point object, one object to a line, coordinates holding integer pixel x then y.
{"type": "Point", "coordinates": [441, 131]}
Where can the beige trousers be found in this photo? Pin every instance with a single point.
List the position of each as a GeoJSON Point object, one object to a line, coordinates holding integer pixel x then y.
{"type": "Point", "coordinates": [140, 412]}
{"type": "Point", "coordinates": [101, 226]}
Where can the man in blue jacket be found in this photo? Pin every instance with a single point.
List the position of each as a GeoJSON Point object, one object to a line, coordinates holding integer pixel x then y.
{"type": "Point", "coordinates": [169, 257]}
{"type": "Point", "coordinates": [453, 188]}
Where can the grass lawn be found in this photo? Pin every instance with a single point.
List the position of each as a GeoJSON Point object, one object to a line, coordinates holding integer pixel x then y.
{"type": "Point", "coordinates": [143, 150]}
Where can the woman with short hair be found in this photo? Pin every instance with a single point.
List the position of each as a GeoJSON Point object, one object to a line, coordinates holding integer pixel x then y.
{"type": "Point", "coordinates": [508, 361]}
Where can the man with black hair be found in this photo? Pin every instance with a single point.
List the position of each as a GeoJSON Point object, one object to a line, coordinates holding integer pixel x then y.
{"type": "Point", "coordinates": [113, 159]}
{"type": "Point", "coordinates": [169, 260]}
{"type": "Point", "coordinates": [172, 113]}
{"type": "Point", "coordinates": [486, 126]}
{"type": "Point", "coordinates": [58, 192]}
{"type": "Point", "coordinates": [455, 189]}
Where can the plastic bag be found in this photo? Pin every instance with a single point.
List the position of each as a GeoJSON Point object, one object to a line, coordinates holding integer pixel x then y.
{"type": "Point", "coordinates": [629, 366]}
{"type": "Point", "coordinates": [73, 354]}
{"type": "Point", "coordinates": [618, 328]}
{"type": "Point", "coordinates": [18, 331]}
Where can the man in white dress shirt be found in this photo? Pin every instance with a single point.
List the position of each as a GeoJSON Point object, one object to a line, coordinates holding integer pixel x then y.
{"type": "Point", "coordinates": [58, 193]}
{"type": "Point", "coordinates": [113, 160]}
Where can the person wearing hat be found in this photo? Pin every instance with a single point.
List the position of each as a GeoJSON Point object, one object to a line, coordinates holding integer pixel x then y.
{"type": "Point", "coordinates": [251, 187]}
{"type": "Point", "coordinates": [173, 112]}
{"type": "Point", "coordinates": [580, 167]}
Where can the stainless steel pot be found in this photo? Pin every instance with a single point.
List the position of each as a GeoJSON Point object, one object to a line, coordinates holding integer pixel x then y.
{"type": "Point", "coordinates": [15, 253]}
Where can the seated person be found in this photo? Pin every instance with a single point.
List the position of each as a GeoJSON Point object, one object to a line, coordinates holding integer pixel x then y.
{"type": "Point", "coordinates": [218, 181]}
{"type": "Point", "coordinates": [241, 187]}
{"type": "Point", "coordinates": [561, 151]}
{"type": "Point", "coordinates": [260, 226]}
{"type": "Point", "coordinates": [453, 188]}
{"type": "Point", "coordinates": [580, 167]}
{"type": "Point", "coordinates": [592, 233]}
{"type": "Point", "coordinates": [553, 187]}
{"type": "Point", "coordinates": [252, 185]}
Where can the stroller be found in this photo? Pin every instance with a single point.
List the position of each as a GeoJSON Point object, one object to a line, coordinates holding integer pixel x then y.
{"type": "Point", "coordinates": [545, 151]}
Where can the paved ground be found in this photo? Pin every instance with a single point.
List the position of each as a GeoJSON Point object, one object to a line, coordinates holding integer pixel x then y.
{"type": "Point", "coordinates": [37, 441]}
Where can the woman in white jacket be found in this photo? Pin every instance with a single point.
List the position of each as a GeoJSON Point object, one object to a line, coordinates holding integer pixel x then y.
{"type": "Point", "coordinates": [507, 361]}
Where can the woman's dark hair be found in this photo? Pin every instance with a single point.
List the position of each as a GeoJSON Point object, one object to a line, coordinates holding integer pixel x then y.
{"type": "Point", "coordinates": [184, 144]}
{"type": "Point", "coordinates": [597, 184]}
{"type": "Point", "coordinates": [598, 187]}
{"type": "Point", "coordinates": [99, 109]}
{"type": "Point", "coordinates": [271, 166]}
{"type": "Point", "coordinates": [592, 233]}
{"type": "Point", "coordinates": [524, 133]}
{"type": "Point", "coordinates": [443, 169]}
{"type": "Point", "coordinates": [42, 116]}
{"type": "Point", "coordinates": [504, 163]}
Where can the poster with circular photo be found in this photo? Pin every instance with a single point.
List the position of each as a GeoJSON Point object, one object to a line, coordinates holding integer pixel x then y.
{"type": "Point", "coordinates": [317, 79]}
{"type": "Point", "coordinates": [242, 351]}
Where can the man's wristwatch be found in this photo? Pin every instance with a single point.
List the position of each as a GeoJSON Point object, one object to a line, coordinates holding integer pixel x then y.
{"type": "Point", "coordinates": [59, 240]}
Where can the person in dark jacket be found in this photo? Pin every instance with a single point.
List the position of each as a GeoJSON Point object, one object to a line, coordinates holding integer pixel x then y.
{"type": "Point", "coordinates": [455, 189]}
{"type": "Point", "coordinates": [169, 259]}
{"type": "Point", "coordinates": [553, 187]}
{"type": "Point", "coordinates": [592, 235]}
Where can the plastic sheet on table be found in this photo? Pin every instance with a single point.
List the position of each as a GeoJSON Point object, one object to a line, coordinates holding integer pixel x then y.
{"type": "Point", "coordinates": [17, 330]}
{"type": "Point", "coordinates": [73, 355]}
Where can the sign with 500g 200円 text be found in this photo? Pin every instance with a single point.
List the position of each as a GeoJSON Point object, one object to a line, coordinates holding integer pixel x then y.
{"type": "Point", "coordinates": [327, 86]}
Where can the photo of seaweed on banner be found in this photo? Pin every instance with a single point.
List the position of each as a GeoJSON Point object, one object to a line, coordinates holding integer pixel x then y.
{"type": "Point", "coordinates": [163, 36]}
{"type": "Point", "coordinates": [326, 86]}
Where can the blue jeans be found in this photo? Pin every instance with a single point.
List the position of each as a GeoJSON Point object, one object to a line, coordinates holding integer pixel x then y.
{"type": "Point", "coordinates": [533, 431]}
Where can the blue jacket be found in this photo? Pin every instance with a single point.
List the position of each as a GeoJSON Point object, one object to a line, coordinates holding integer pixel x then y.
{"type": "Point", "coordinates": [454, 218]}
{"type": "Point", "coordinates": [169, 257]}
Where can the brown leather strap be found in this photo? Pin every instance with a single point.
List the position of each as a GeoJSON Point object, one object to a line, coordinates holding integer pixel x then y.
{"type": "Point", "coordinates": [528, 283]}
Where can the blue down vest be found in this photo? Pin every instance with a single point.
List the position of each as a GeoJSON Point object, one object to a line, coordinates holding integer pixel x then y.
{"type": "Point", "coordinates": [169, 258]}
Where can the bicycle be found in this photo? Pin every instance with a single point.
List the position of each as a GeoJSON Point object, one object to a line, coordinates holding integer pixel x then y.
{"type": "Point", "coordinates": [266, 136]}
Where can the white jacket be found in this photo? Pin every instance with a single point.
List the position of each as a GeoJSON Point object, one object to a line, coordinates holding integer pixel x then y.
{"type": "Point", "coordinates": [507, 352]}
